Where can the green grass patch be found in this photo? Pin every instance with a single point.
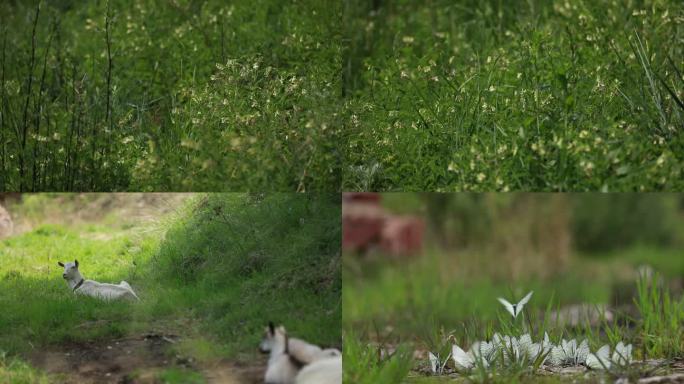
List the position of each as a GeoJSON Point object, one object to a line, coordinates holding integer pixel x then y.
{"type": "Point", "coordinates": [661, 324]}
{"type": "Point", "coordinates": [39, 303]}
{"type": "Point", "coordinates": [13, 370]}
{"type": "Point", "coordinates": [364, 365]}
{"type": "Point", "coordinates": [180, 376]}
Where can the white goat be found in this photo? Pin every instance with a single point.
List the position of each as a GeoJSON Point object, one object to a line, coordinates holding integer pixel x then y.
{"type": "Point", "coordinates": [326, 354]}
{"type": "Point", "coordinates": [291, 358]}
{"type": "Point", "coordinates": [327, 370]}
{"type": "Point", "coordinates": [92, 288]}
{"type": "Point", "coordinates": [282, 367]}
{"type": "Point", "coordinates": [298, 348]}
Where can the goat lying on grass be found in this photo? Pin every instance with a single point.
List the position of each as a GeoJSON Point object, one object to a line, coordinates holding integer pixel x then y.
{"type": "Point", "coordinates": [294, 361]}
{"type": "Point", "coordinates": [282, 366]}
{"type": "Point", "coordinates": [298, 348]}
{"type": "Point", "coordinates": [327, 370]}
{"type": "Point", "coordinates": [92, 288]}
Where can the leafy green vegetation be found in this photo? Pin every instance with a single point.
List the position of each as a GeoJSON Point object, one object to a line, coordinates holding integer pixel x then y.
{"type": "Point", "coordinates": [213, 271]}
{"type": "Point", "coordinates": [501, 96]}
{"type": "Point", "coordinates": [133, 95]}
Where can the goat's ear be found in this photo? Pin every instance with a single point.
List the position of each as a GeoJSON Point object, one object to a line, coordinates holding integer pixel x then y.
{"type": "Point", "coordinates": [271, 327]}
{"type": "Point", "coordinates": [76, 262]}
{"type": "Point", "coordinates": [60, 264]}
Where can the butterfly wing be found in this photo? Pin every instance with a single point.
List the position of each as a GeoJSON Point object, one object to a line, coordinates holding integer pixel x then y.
{"type": "Point", "coordinates": [487, 351]}
{"type": "Point", "coordinates": [582, 352]}
{"type": "Point", "coordinates": [507, 305]}
{"type": "Point", "coordinates": [593, 362]}
{"type": "Point", "coordinates": [600, 360]}
{"type": "Point", "coordinates": [525, 345]}
{"type": "Point", "coordinates": [462, 360]}
{"type": "Point", "coordinates": [434, 362]}
{"type": "Point", "coordinates": [603, 356]}
{"type": "Point", "coordinates": [622, 354]}
{"type": "Point", "coordinates": [524, 301]}
{"type": "Point", "coordinates": [618, 353]}
{"type": "Point", "coordinates": [628, 354]}
{"type": "Point", "coordinates": [557, 355]}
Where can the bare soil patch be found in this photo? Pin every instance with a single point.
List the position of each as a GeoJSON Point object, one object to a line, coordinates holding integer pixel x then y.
{"type": "Point", "coordinates": [135, 360]}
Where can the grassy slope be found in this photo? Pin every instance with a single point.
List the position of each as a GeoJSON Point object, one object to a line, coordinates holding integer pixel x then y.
{"type": "Point", "coordinates": [215, 284]}
{"type": "Point", "coordinates": [248, 260]}
{"type": "Point", "coordinates": [201, 94]}
{"type": "Point", "coordinates": [491, 95]}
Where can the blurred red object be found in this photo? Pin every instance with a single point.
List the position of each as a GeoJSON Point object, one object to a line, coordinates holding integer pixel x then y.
{"type": "Point", "coordinates": [365, 225]}
{"type": "Point", "coordinates": [402, 235]}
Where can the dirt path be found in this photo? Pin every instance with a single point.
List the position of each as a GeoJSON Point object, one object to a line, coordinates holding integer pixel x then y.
{"type": "Point", "coordinates": [137, 359]}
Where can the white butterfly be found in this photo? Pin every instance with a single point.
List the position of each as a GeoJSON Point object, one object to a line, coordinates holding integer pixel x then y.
{"type": "Point", "coordinates": [569, 353]}
{"type": "Point", "coordinates": [462, 360]}
{"type": "Point", "coordinates": [524, 345]}
{"type": "Point", "coordinates": [535, 350]}
{"type": "Point", "coordinates": [600, 360]}
{"type": "Point", "coordinates": [515, 309]}
{"type": "Point", "coordinates": [510, 347]}
{"type": "Point", "coordinates": [483, 353]}
{"type": "Point", "coordinates": [436, 365]}
{"type": "Point", "coordinates": [622, 354]}
{"type": "Point", "coordinates": [516, 349]}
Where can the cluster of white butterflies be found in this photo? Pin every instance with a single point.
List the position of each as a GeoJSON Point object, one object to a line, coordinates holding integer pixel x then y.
{"type": "Point", "coordinates": [509, 349]}
{"type": "Point", "coordinates": [506, 350]}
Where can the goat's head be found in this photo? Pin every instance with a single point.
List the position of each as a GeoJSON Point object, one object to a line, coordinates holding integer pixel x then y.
{"type": "Point", "coordinates": [70, 269]}
{"type": "Point", "coordinates": [274, 339]}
